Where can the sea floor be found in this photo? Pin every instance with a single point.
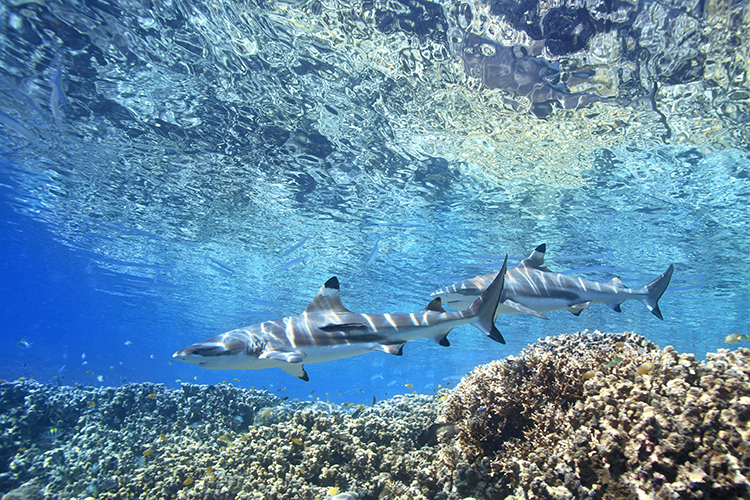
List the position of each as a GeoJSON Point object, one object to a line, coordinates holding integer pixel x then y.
{"type": "Point", "coordinates": [586, 415]}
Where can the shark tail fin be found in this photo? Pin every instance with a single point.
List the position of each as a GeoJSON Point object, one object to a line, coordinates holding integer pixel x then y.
{"type": "Point", "coordinates": [486, 304]}
{"type": "Point", "coordinates": [655, 290]}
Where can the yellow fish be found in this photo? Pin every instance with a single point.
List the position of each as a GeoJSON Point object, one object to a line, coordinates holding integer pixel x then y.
{"type": "Point", "coordinates": [408, 386]}
{"type": "Point", "coordinates": [188, 481]}
{"type": "Point", "coordinates": [644, 368]}
{"type": "Point", "coordinates": [89, 372]}
{"type": "Point", "coordinates": [736, 337]}
{"type": "Point", "coordinates": [589, 375]}
{"type": "Point", "coordinates": [151, 396]}
{"type": "Point", "coordinates": [264, 412]}
{"type": "Point", "coordinates": [297, 441]}
{"type": "Point", "coordinates": [147, 452]}
{"type": "Point", "coordinates": [91, 403]}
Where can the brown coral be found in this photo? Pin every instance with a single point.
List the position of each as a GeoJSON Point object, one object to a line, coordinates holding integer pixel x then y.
{"type": "Point", "coordinates": [534, 424]}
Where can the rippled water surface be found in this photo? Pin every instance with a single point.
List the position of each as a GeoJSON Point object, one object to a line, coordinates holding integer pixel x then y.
{"type": "Point", "coordinates": [172, 170]}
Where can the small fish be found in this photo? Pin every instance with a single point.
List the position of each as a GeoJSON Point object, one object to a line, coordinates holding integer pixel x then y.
{"type": "Point", "coordinates": [435, 433]}
{"type": "Point", "coordinates": [293, 262]}
{"type": "Point", "coordinates": [614, 362]}
{"type": "Point", "coordinates": [188, 481]}
{"type": "Point", "coordinates": [238, 419]}
{"type": "Point", "coordinates": [620, 345]}
{"type": "Point", "coordinates": [209, 469]}
{"type": "Point", "coordinates": [360, 406]}
{"type": "Point", "coordinates": [91, 403]}
{"type": "Point", "coordinates": [265, 412]}
{"type": "Point", "coordinates": [100, 378]}
{"type": "Point", "coordinates": [162, 437]}
{"type": "Point", "coordinates": [736, 337]}
{"type": "Point", "coordinates": [333, 491]}
{"type": "Point", "coordinates": [147, 452]}
{"type": "Point", "coordinates": [127, 342]}
{"type": "Point", "coordinates": [296, 245]}
{"type": "Point", "coordinates": [151, 396]}
{"type": "Point", "coordinates": [83, 355]}
{"type": "Point", "coordinates": [223, 437]}
{"type": "Point", "coordinates": [52, 433]}
{"type": "Point", "coordinates": [297, 441]}
{"type": "Point", "coordinates": [21, 379]}
{"type": "Point", "coordinates": [374, 252]}
{"type": "Point", "coordinates": [89, 372]}
{"type": "Point", "coordinates": [408, 386]}
{"type": "Point", "coordinates": [117, 472]}
{"type": "Point", "coordinates": [644, 368]}
{"type": "Point", "coordinates": [235, 380]}
{"type": "Point", "coordinates": [22, 449]}
{"type": "Point", "coordinates": [588, 375]}
{"type": "Point", "coordinates": [24, 343]}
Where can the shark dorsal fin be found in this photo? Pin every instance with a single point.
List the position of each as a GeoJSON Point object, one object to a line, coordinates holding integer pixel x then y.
{"type": "Point", "coordinates": [536, 259]}
{"type": "Point", "coordinates": [327, 299]}
{"type": "Point", "coordinates": [435, 306]}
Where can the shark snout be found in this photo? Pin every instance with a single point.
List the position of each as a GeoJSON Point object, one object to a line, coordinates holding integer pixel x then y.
{"type": "Point", "coordinates": [200, 352]}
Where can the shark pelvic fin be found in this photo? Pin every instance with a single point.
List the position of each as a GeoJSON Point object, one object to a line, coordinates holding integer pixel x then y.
{"type": "Point", "coordinates": [577, 309]}
{"type": "Point", "coordinates": [435, 306]}
{"type": "Point", "coordinates": [327, 298]}
{"type": "Point", "coordinates": [523, 309]}
{"type": "Point", "coordinates": [615, 306]}
{"type": "Point", "coordinates": [297, 370]}
{"type": "Point", "coordinates": [395, 349]}
{"type": "Point", "coordinates": [536, 259]}
{"type": "Point", "coordinates": [287, 357]}
{"type": "Point", "coordinates": [441, 339]}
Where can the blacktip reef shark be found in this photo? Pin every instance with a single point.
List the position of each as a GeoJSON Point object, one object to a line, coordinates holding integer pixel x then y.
{"type": "Point", "coordinates": [326, 330]}
{"type": "Point", "coordinates": [533, 289]}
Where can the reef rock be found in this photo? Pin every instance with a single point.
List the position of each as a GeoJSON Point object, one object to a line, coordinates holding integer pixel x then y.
{"type": "Point", "coordinates": [588, 415]}
{"type": "Point", "coordinates": [595, 415]}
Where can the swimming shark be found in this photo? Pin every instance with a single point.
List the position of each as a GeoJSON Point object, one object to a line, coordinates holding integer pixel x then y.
{"type": "Point", "coordinates": [326, 330]}
{"type": "Point", "coordinates": [533, 289]}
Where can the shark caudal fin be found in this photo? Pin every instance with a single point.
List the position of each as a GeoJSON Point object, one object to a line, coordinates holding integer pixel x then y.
{"type": "Point", "coordinates": [486, 304]}
{"type": "Point", "coordinates": [655, 290]}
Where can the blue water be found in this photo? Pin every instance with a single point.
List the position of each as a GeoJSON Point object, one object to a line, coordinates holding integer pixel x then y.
{"type": "Point", "coordinates": [171, 172]}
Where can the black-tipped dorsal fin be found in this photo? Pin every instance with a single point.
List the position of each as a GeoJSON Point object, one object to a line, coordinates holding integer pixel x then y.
{"type": "Point", "coordinates": [536, 259]}
{"type": "Point", "coordinates": [327, 299]}
{"type": "Point", "coordinates": [435, 306]}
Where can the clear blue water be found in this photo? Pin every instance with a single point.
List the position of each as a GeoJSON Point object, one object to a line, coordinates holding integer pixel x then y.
{"type": "Point", "coordinates": [172, 171]}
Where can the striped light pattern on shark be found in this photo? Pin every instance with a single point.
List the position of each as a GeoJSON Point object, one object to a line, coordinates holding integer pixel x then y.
{"type": "Point", "coordinates": [326, 330]}
{"type": "Point", "coordinates": [533, 289]}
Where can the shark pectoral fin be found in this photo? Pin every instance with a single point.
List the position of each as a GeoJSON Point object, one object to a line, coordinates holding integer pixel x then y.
{"type": "Point", "coordinates": [441, 339]}
{"type": "Point", "coordinates": [523, 309]}
{"type": "Point", "coordinates": [288, 357]}
{"type": "Point", "coordinates": [296, 369]}
{"type": "Point", "coordinates": [395, 349]}
{"type": "Point", "coordinates": [577, 309]}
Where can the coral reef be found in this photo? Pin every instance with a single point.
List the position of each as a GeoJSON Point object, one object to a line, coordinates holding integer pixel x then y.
{"type": "Point", "coordinates": [592, 415]}
{"type": "Point", "coordinates": [588, 415]}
